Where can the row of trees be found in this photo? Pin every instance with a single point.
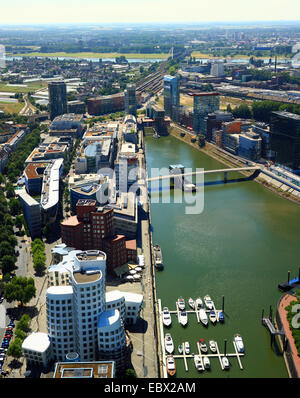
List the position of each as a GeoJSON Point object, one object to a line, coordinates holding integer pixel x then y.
{"type": "Point", "coordinates": [261, 110]}
{"type": "Point", "coordinates": [20, 289]}
{"type": "Point", "coordinates": [38, 255]}
{"type": "Point", "coordinates": [15, 348]}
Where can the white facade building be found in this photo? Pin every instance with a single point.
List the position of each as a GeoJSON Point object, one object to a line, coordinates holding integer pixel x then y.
{"type": "Point", "coordinates": [37, 349]}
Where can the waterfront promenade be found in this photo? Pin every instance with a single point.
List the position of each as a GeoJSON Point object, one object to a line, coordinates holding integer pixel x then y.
{"type": "Point", "coordinates": [293, 352]}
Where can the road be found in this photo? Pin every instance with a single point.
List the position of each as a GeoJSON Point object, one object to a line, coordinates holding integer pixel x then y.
{"type": "Point", "coordinates": [28, 108]}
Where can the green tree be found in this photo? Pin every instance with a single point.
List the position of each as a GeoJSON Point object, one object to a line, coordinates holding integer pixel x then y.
{"type": "Point", "coordinates": [21, 289]}
{"type": "Point", "coordinates": [15, 348]}
{"type": "Point", "coordinates": [7, 263]}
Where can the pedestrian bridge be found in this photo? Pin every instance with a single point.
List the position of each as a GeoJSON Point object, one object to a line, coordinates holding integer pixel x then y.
{"type": "Point", "coordinates": [204, 172]}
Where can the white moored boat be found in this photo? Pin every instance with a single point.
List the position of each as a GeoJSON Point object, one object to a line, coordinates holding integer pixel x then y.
{"type": "Point", "coordinates": [169, 345]}
{"type": "Point", "coordinates": [199, 303]}
{"type": "Point", "coordinates": [239, 343]}
{"type": "Point", "coordinates": [183, 318]}
{"type": "Point", "coordinates": [198, 363]}
{"type": "Point", "coordinates": [225, 362]}
{"type": "Point", "coordinates": [171, 367]}
{"type": "Point", "coordinates": [212, 316]}
{"type": "Point", "coordinates": [181, 303]}
{"type": "Point", "coordinates": [191, 303]}
{"type": "Point", "coordinates": [203, 346]}
{"type": "Point", "coordinates": [208, 302]}
{"type": "Point", "coordinates": [203, 316]}
{"type": "Point", "coordinates": [167, 320]}
{"type": "Point", "coordinates": [212, 346]}
{"type": "Point", "coordinates": [186, 346]}
{"type": "Point", "coordinates": [206, 362]}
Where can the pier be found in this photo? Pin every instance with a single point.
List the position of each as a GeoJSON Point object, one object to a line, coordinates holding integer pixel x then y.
{"type": "Point", "coordinates": [183, 356]}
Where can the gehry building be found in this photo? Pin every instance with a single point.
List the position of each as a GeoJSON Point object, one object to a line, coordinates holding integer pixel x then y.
{"type": "Point", "coordinates": [80, 317]}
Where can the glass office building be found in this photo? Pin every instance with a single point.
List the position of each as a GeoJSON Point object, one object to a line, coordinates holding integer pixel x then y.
{"type": "Point", "coordinates": [171, 95]}
{"type": "Point", "coordinates": [204, 103]}
{"type": "Point", "coordinates": [285, 139]}
{"type": "Point", "coordinates": [57, 99]}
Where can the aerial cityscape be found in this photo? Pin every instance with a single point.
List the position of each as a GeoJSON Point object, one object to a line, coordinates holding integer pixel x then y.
{"type": "Point", "coordinates": [150, 194]}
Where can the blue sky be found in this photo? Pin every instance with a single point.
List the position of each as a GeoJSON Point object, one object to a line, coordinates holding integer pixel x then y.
{"type": "Point", "coordinates": [100, 11]}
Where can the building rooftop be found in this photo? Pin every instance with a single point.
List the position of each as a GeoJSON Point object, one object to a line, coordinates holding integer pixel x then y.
{"type": "Point", "coordinates": [38, 342]}
{"type": "Point", "coordinates": [87, 276]}
{"type": "Point", "coordinates": [97, 369]}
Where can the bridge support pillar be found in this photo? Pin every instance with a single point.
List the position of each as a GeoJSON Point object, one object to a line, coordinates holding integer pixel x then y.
{"type": "Point", "coordinates": [225, 177]}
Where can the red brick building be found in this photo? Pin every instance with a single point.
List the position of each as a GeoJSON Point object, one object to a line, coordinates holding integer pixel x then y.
{"type": "Point", "coordinates": [93, 228]}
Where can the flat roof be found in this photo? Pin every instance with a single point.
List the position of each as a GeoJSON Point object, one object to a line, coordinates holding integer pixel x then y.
{"type": "Point", "coordinates": [36, 341]}
{"type": "Point", "coordinates": [87, 276]}
{"type": "Point", "coordinates": [97, 369]}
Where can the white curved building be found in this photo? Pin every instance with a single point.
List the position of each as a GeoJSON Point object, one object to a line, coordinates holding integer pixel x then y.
{"type": "Point", "coordinates": [111, 336]}
{"type": "Point", "coordinates": [37, 349]}
{"type": "Point", "coordinates": [128, 304]}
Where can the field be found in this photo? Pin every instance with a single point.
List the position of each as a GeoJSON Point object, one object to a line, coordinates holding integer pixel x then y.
{"type": "Point", "coordinates": [90, 55]}
{"type": "Point", "coordinates": [34, 86]}
{"type": "Point", "coordinates": [8, 107]}
{"type": "Point", "coordinates": [198, 54]}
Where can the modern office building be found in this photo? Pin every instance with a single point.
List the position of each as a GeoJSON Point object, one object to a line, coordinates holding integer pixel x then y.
{"type": "Point", "coordinates": [78, 107]}
{"type": "Point", "coordinates": [214, 121]}
{"type": "Point", "coordinates": [84, 370]}
{"type": "Point", "coordinates": [93, 227]}
{"type": "Point", "coordinates": [250, 146]}
{"type": "Point", "coordinates": [171, 95]}
{"type": "Point", "coordinates": [78, 320]}
{"type": "Point", "coordinates": [70, 124]}
{"type": "Point", "coordinates": [106, 104]}
{"type": "Point", "coordinates": [217, 69]}
{"type": "Point", "coordinates": [57, 98]}
{"type": "Point", "coordinates": [130, 99]}
{"type": "Point", "coordinates": [32, 213]}
{"type": "Point", "coordinates": [204, 103]}
{"type": "Point", "coordinates": [285, 139]}
{"type": "Point", "coordinates": [37, 349]}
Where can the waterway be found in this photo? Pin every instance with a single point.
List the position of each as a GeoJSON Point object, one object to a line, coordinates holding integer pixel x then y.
{"type": "Point", "coordinates": [240, 247]}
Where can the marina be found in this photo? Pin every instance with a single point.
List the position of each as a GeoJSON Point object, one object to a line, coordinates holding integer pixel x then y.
{"type": "Point", "coordinates": [205, 352]}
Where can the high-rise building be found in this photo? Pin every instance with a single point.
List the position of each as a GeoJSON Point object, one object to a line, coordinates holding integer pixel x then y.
{"type": "Point", "coordinates": [57, 98]}
{"type": "Point", "coordinates": [171, 95]}
{"type": "Point", "coordinates": [130, 99]}
{"type": "Point", "coordinates": [204, 103]}
{"type": "Point", "coordinates": [285, 139]}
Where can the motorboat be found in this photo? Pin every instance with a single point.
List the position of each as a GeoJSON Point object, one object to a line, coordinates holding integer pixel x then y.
{"type": "Point", "coordinates": [203, 346]}
{"type": "Point", "coordinates": [167, 320]}
{"type": "Point", "coordinates": [212, 316]}
{"type": "Point", "coordinates": [171, 367]}
{"type": "Point", "coordinates": [206, 362]}
{"type": "Point", "coordinates": [199, 303]}
{"type": "Point", "coordinates": [186, 347]}
{"type": "Point", "coordinates": [183, 318]}
{"type": "Point", "coordinates": [198, 363]}
{"type": "Point", "coordinates": [239, 342]}
{"type": "Point", "coordinates": [208, 302]}
{"type": "Point", "coordinates": [181, 303]}
{"type": "Point", "coordinates": [212, 346]}
{"type": "Point", "coordinates": [158, 257]}
{"type": "Point", "coordinates": [203, 316]}
{"type": "Point", "coordinates": [180, 348]}
{"type": "Point", "coordinates": [169, 345]}
{"type": "Point", "coordinates": [191, 303]}
{"type": "Point", "coordinates": [225, 362]}
{"type": "Point", "coordinates": [221, 317]}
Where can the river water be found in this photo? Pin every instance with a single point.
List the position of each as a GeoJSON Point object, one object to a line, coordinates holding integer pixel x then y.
{"type": "Point", "coordinates": [240, 247]}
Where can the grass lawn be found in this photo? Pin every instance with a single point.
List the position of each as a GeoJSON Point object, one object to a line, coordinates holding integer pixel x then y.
{"type": "Point", "coordinates": [233, 101]}
{"type": "Point", "coordinates": [9, 107]}
{"type": "Point", "coordinates": [34, 86]}
{"type": "Point", "coordinates": [90, 55]}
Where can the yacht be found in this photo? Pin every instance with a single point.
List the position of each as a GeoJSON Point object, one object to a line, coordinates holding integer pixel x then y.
{"type": "Point", "coordinates": [191, 303]}
{"type": "Point", "coordinates": [206, 362]}
{"type": "Point", "coordinates": [181, 303]}
{"type": "Point", "coordinates": [239, 342]}
{"type": "Point", "coordinates": [212, 316]}
{"type": "Point", "coordinates": [198, 363]}
{"type": "Point", "coordinates": [225, 362]}
{"type": "Point", "coordinates": [183, 318]}
{"type": "Point", "coordinates": [208, 302]}
{"type": "Point", "coordinates": [158, 257]}
{"type": "Point", "coordinates": [203, 346]}
{"type": "Point", "coordinates": [171, 367]}
{"type": "Point", "coordinates": [203, 316]}
{"type": "Point", "coordinates": [199, 303]}
{"type": "Point", "coordinates": [212, 346]}
{"type": "Point", "coordinates": [169, 345]}
{"type": "Point", "coordinates": [167, 320]}
{"type": "Point", "coordinates": [186, 346]}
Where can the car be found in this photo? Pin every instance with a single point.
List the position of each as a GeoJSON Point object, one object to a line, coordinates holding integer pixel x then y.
{"type": "Point", "coordinates": [8, 336]}
{"type": "Point", "coordinates": [11, 324]}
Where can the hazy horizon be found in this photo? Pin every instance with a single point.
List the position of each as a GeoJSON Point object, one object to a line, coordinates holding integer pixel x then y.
{"type": "Point", "coordinates": [31, 12]}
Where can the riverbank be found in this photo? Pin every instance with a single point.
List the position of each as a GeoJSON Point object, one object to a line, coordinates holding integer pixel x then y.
{"type": "Point", "coordinates": [199, 55]}
{"type": "Point", "coordinates": [89, 55]}
{"type": "Point", "coordinates": [210, 150]}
